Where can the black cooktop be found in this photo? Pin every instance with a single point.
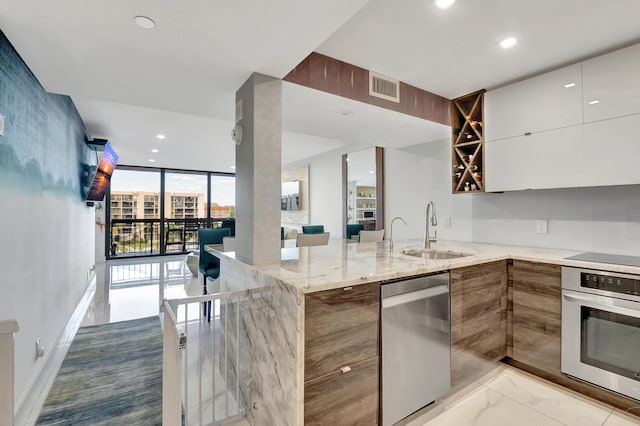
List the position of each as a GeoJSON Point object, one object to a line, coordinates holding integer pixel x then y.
{"type": "Point", "coordinates": [616, 259]}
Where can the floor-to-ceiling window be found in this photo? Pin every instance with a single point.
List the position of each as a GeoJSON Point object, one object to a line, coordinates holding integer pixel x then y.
{"type": "Point", "coordinates": [134, 213]}
{"type": "Point", "coordinates": [185, 210]}
{"type": "Point", "coordinates": [159, 211]}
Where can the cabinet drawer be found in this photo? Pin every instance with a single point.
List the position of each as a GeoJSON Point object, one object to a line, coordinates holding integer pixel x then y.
{"type": "Point", "coordinates": [341, 328]}
{"type": "Point", "coordinates": [344, 398]}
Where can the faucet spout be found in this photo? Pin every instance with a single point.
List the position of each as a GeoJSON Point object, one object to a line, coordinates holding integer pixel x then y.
{"type": "Point", "coordinates": [430, 216]}
{"type": "Point", "coordinates": [391, 231]}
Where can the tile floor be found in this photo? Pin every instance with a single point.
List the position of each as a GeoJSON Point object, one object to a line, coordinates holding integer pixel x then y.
{"type": "Point", "coordinates": [513, 397]}
{"type": "Point", "coordinates": [129, 289]}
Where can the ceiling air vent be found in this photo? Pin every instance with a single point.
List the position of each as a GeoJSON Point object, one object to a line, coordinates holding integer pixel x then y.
{"type": "Point", "coordinates": [384, 87]}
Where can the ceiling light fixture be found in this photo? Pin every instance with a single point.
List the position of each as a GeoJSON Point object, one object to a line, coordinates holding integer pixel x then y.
{"type": "Point", "coordinates": [232, 167]}
{"type": "Point", "coordinates": [569, 85]}
{"type": "Point", "coordinates": [144, 22]}
{"type": "Point", "coordinates": [593, 102]}
{"type": "Point", "coordinates": [443, 4]}
{"type": "Point", "coordinates": [151, 160]}
{"type": "Point", "coordinates": [160, 136]}
{"type": "Point", "coordinates": [371, 171]}
{"type": "Point", "coordinates": [154, 150]}
{"type": "Point", "coordinates": [508, 42]}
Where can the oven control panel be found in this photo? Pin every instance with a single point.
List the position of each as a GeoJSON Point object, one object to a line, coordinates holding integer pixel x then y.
{"type": "Point", "coordinates": [610, 283]}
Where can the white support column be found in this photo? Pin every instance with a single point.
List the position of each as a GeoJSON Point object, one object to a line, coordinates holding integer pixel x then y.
{"type": "Point", "coordinates": [258, 170]}
{"type": "Point", "coordinates": [7, 330]}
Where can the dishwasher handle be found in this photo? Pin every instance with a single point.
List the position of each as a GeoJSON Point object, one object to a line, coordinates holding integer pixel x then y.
{"type": "Point", "coordinates": [404, 298]}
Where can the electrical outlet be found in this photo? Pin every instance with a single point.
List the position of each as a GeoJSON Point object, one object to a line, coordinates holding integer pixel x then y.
{"type": "Point", "coordinates": [1, 125]}
{"type": "Point", "coordinates": [542, 226]}
{"type": "Point", "coordinates": [447, 223]}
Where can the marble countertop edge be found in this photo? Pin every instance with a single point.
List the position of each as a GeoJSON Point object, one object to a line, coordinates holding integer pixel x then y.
{"type": "Point", "coordinates": [346, 264]}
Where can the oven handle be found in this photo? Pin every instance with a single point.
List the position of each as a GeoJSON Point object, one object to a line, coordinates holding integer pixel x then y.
{"type": "Point", "coordinates": [610, 304]}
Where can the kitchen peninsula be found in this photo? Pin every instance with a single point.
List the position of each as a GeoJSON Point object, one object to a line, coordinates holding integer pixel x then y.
{"type": "Point", "coordinates": [316, 311]}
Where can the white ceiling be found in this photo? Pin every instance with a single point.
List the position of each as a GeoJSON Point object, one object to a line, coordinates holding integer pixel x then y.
{"type": "Point", "coordinates": [180, 79]}
{"type": "Point", "coordinates": [455, 51]}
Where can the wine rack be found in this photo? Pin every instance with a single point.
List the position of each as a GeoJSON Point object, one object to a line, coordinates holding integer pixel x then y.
{"type": "Point", "coordinates": [468, 143]}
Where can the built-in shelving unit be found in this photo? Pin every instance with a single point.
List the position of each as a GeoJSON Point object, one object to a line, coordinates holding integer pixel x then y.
{"type": "Point", "coordinates": [467, 121]}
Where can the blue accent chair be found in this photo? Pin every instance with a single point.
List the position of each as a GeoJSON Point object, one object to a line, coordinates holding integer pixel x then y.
{"type": "Point", "coordinates": [312, 229]}
{"type": "Point", "coordinates": [231, 224]}
{"type": "Point", "coordinates": [353, 229]}
{"type": "Point", "coordinates": [208, 264]}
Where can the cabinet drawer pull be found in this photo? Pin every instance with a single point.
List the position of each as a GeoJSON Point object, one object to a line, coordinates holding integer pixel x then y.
{"type": "Point", "coordinates": [527, 134]}
{"type": "Point", "coordinates": [348, 288]}
{"type": "Point", "coordinates": [345, 369]}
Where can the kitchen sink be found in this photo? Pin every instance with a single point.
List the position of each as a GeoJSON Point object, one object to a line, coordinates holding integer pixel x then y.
{"type": "Point", "coordinates": [434, 254]}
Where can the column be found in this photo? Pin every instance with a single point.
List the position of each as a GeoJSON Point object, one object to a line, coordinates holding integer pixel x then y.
{"type": "Point", "coordinates": [258, 170]}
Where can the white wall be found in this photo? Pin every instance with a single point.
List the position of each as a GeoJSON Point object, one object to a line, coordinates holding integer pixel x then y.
{"type": "Point", "coordinates": [48, 250]}
{"type": "Point", "coordinates": [601, 219]}
{"type": "Point", "coordinates": [415, 175]}
{"type": "Point", "coordinates": [325, 188]}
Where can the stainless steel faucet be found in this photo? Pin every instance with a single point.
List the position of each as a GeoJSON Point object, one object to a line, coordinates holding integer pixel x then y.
{"type": "Point", "coordinates": [391, 231]}
{"type": "Point", "coordinates": [431, 208]}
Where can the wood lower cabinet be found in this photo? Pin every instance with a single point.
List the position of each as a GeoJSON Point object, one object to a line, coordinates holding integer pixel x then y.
{"type": "Point", "coordinates": [537, 315]}
{"type": "Point", "coordinates": [339, 398]}
{"type": "Point", "coordinates": [478, 320]}
{"type": "Point", "coordinates": [341, 356]}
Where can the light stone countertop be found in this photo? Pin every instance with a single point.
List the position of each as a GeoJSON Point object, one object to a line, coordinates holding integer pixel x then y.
{"type": "Point", "coordinates": [342, 263]}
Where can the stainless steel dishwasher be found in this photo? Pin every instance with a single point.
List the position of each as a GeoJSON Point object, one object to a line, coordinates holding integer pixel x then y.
{"type": "Point", "coordinates": [416, 345]}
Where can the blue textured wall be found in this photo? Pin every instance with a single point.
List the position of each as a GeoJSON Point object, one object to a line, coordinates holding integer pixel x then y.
{"type": "Point", "coordinates": [48, 232]}
{"type": "Point", "coordinates": [44, 143]}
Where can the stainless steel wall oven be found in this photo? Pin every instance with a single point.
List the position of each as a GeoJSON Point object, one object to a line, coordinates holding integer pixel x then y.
{"type": "Point", "coordinates": [601, 329]}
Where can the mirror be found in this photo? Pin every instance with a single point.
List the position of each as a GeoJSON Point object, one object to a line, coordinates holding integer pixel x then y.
{"type": "Point", "coordinates": [363, 190]}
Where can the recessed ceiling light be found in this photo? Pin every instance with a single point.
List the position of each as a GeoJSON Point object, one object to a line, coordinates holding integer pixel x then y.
{"type": "Point", "coordinates": [160, 136]}
{"type": "Point", "coordinates": [568, 85]}
{"type": "Point", "coordinates": [151, 160]}
{"type": "Point", "coordinates": [371, 171]}
{"type": "Point", "coordinates": [232, 167]}
{"type": "Point", "coordinates": [443, 4]}
{"type": "Point", "coordinates": [593, 102]}
{"type": "Point", "coordinates": [144, 22]}
{"type": "Point", "coordinates": [154, 150]}
{"type": "Point", "coordinates": [345, 112]}
{"type": "Point", "coordinates": [508, 42]}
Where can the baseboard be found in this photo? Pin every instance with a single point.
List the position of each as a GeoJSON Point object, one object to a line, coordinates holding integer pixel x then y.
{"type": "Point", "coordinates": [29, 408]}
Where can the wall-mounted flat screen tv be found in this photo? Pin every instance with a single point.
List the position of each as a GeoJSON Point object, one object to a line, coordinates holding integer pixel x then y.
{"type": "Point", "coordinates": [101, 175]}
{"type": "Point", "coordinates": [290, 199]}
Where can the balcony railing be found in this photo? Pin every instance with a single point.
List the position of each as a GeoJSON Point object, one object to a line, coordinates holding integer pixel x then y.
{"type": "Point", "coordinates": [141, 237]}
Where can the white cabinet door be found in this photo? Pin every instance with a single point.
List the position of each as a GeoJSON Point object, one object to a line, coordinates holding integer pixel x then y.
{"type": "Point", "coordinates": [552, 159]}
{"type": "Point", "coordinates": [533, 105]}
{"type": "Point", "coordinates": [613, 80]}
{"type": "Point", "coordinates": [612, 150]}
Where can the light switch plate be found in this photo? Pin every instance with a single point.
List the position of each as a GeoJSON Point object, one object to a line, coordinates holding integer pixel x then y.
{"type": "Point", "coordinates": [1, 125]}
{"type": "Point", "coordinates": [542, 226]}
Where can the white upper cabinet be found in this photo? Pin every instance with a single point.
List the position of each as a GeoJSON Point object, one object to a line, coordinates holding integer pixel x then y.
{"type": "Point", "coordinates": [614, 81]}
{"type": "Point", "coordinates": [549, 101]}
{"type": "Point", "coordinates": [611, 149]}
{"type": "Point", "coordinates": [551, 159]}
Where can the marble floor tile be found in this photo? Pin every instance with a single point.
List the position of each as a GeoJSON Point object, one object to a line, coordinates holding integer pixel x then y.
{"type": "Point", "coordinates": [560, 404]}
{"type": "Point", "coordinates": [486, 407]}
{"type": "Point", "coordinates": [618, 418]}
